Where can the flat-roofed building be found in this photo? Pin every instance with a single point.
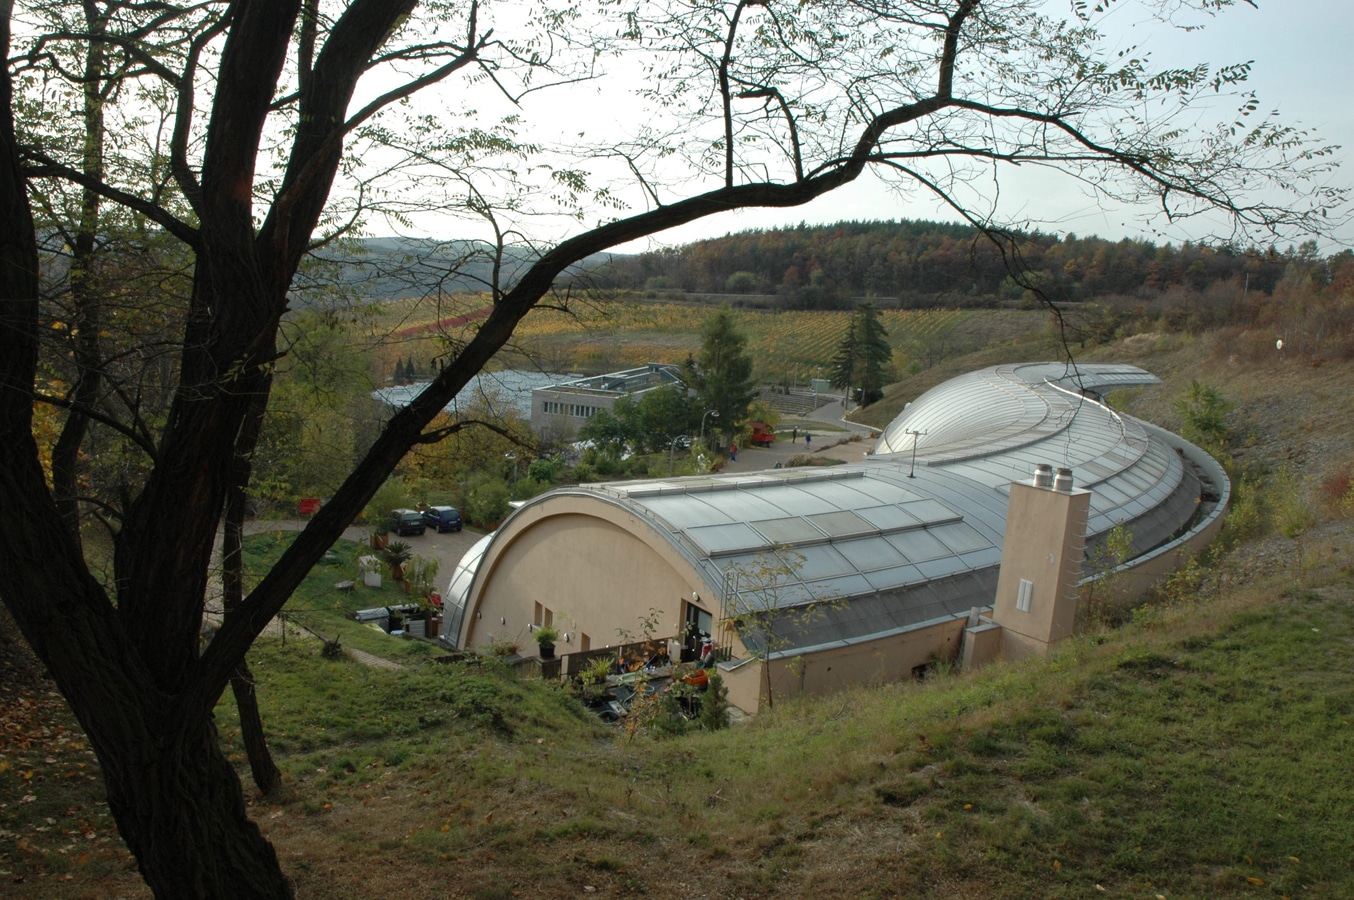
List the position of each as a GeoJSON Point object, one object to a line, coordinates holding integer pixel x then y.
{"type": "Point", "coordinates": [559, 410]}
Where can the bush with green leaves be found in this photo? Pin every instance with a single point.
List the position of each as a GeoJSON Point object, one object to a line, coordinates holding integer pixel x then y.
{"type": "Point", "coordinates": [1291, 513]}
{"type": "Point", "coordinates": [486, 500]}
{"type": "Point", "coordinates": [546, 469]}
{"type": "Point", "coordinates": [1205, 413]}
{"type": "Point", "coordinates": [715, 704]}
{"type": "Point", "coordinates": [394, 494]}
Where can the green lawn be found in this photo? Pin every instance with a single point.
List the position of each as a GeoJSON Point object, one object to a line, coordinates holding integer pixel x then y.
{"type": "Point", "coordinates": [318, 606]}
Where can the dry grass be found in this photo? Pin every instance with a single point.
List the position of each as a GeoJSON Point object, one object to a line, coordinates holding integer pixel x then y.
{"type": "Point", "coordinates": [1202, 750]}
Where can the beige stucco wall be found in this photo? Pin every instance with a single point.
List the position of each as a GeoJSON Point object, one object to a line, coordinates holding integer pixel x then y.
{"type": "Point", "coordinates": [743, 678]}
{"type": "Point", "coordinates": [595, 566]}
{"type": "Point", "coordinates": [830, 668]}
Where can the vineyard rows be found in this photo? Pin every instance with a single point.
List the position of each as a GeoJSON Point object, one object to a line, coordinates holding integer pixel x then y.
{"type": "Point", "coordinates": [783, 344]}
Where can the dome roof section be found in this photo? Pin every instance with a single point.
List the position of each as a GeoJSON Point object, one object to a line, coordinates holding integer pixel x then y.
{"type": "Point", "coordinates": [991, 411]}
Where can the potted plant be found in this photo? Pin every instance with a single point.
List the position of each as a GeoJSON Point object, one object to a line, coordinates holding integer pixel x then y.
{"type": "Point", "coordinates": [546, 635]}
{"type": "Point", "coordinates": [593, 678]}
{"type": "Point", "coordinates": [501, 648]}
{"type": "Point", "coordinates": [380, 533]}
{"type": "Point", "coordinates": [396, 554]}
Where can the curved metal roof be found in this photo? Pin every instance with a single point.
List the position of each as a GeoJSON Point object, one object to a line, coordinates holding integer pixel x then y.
{"type": "Point", "coordinates": [906, 541]}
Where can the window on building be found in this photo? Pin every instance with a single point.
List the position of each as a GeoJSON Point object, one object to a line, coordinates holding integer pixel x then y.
{"type": "Point", "coordinates": [584, 643]}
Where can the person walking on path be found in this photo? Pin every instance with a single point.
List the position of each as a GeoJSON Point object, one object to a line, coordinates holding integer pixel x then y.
{"type": "Point", "coordinates": [808, 439]}
{"type": "Point", "coordinates": [733, 453]}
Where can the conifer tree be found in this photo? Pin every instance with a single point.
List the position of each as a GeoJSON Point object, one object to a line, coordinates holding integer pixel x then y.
{"type": "Point", "coordinates": [721, 373]}
{"type": "Point", "coordinates": [862, 355]}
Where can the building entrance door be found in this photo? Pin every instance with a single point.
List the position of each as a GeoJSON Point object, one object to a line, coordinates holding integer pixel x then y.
{"type": "Point", "coordinates": [696, 627]}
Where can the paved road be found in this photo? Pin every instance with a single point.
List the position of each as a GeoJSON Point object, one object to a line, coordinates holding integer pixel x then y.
{"type": "Point", "coordinates": [831, 442]}
{"type": "Point", "coordinates": [447, 548]}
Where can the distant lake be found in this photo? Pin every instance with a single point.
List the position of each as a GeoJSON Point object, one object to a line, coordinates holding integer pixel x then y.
{"type": "Point", "coordinates": [509, 389]}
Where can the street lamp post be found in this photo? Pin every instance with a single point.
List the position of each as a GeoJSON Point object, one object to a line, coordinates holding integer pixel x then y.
{"type": "Point", "coordinates": [708, 413]}
{"type": "Point", "coordinates": [511, 456]}
{"type": "Point", "coordinates": [916, 435]}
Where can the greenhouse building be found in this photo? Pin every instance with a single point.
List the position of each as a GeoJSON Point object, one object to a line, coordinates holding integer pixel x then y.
{"type": "Point", "coordinates": [809, 579]}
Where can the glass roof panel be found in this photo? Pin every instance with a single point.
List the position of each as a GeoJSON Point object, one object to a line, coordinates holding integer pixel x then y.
{"type": "Point", "coordinates": [798, 502]}
{"type": "Point", "coordinates": [723, 538]}
{"type": "Point", "coordinates": [917, 545]}
{"type": "Point", "coordinates": [1110, 491]}
{"type": "Point", "coordinates": [960, 537]}
{"type": "Point", "coordinates": [787, 530]}
{"type": "Point", "coordinates": [843, 587]}
{"type": "Point", "coordinates": [685, 510]}
{"type": "Point", "coordinates": [746, 598]}
{"type": "Point", "coordinates": [990, 556]}
{"type": "Point", "coordinates": [888, 518]}
{"type": "Point", "coordinates": [871, 553]}
{"type": "Point", "coordinates": [844, 494]}
{"type": "Point", "coordinates": [1093, 469]}
{"type": "Point", "coordinates": [842, 524]}
{"type": "Point", "coordinates": [820, 561]}
{"type": "Point", "coordinates": [930, 510]}
{"type": "Point", "coordinates": [939, 568]}
{"type": "Point", "coordinates": [881, 490]}
{"type": "Point", "coordinates": [897, 576]}
{"type": "Point", "coordinates": [746, 505]}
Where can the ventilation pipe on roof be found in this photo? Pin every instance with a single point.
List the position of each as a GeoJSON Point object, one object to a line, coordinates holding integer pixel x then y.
{"type": "Point", "coordinates": [1063, 483]}
{"type": "Point", "coordinates": [1043, 476]}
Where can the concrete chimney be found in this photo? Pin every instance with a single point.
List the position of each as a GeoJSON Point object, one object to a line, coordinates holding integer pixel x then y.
{"type": "Point", "coordinates": [1041, 558]}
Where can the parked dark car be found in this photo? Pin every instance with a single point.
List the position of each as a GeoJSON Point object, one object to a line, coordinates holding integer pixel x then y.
{"type": "Point", "coordinates": [442, 518]}
{"type": "Point", "coordinates": [406, 521]}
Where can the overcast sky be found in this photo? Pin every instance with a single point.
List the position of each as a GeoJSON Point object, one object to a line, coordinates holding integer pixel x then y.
{"type": "Point", "coordinates": [1304, 68]}
{"type": "Point", "coordinates": [1303, 55]}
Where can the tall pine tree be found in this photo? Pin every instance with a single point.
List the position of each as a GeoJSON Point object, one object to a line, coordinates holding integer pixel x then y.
{"type": "Point", "coordinates": [862, 355]}
{"type": "Point", "coordinates": [721, 373]}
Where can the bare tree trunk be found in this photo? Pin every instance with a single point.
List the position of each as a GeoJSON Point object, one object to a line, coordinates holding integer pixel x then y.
{"type": "Point", "coordinates": [267, 777]}
{"type": "Point", "coordinates": [87, 306]}
{"type": "Point", "coordinates": [182, 814]}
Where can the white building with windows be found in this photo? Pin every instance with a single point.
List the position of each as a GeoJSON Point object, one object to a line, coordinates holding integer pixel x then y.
{"type": "Point", "coordinates": [559, 410]}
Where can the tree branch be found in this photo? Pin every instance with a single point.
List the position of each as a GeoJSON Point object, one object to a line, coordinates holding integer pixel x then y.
{"type": "Point", "coordinates": [51, 168]}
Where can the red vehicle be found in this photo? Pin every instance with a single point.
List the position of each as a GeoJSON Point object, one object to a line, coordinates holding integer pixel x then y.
{"type": "Point", "coordinates": [762, 435]}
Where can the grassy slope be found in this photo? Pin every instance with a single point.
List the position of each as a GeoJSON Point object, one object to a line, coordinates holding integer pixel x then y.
{"type": "Point", "coordinates": [1201, 751]}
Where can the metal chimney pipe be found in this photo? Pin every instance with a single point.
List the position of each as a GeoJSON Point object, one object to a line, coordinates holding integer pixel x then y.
{"type": "Point", "coordinates": [1043, 476]}
{"type": "Point", "coordinates": [1063, 483]}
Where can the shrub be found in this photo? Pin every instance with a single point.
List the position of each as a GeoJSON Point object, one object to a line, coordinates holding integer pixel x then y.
{"type": "Point", "coordinates": [1244, 519]}
{"type": "Point", "coordinates": [486, 501]}
{"type": "Point", "coordinates": [715, 704]}
{"type": "Point", "coordinates": [1205, 413]}
{"type": "Point", "coordinates": [806, 459]}
{"type": "Point", "coordinates": [1337, 492]}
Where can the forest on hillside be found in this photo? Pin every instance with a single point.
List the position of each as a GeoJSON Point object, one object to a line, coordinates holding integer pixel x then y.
{"type": "Point", "coordinates": [914, 264]}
